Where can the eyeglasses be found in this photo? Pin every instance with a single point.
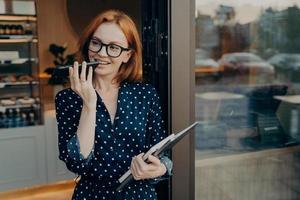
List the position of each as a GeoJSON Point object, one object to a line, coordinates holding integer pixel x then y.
{"type": "Point", "coordinates": [112, 50]}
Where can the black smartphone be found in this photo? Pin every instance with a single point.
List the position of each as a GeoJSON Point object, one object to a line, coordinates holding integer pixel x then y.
{"type": "Point", "coordinates": [64, 70]}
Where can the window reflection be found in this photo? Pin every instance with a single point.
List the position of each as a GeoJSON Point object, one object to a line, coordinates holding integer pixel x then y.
{"type": "Point", "coordinates": [247, 98]}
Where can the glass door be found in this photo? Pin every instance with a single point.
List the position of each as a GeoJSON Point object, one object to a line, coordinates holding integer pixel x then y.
{"type": "Point", "coordinates": [247, 97]}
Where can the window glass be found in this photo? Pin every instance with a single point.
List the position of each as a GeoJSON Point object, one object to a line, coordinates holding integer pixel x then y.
{"type": "Point", "coordinates": [247, 98]}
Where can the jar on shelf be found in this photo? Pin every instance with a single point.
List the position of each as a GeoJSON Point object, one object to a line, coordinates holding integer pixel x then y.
{"type": "Point", "coordinates": [28, 29]}
{"type": "Point", "coordinates": [13, 30]}
{"type": "Point", "coordinates": [6, 29]}
{"type": "Point", "coordinates": [20, 30]}
{"type": "Point", "coordinates": [1, 29]}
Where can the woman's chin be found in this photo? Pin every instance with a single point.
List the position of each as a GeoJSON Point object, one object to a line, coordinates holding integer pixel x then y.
{"type": "Point", "coordinates": [102, 71]}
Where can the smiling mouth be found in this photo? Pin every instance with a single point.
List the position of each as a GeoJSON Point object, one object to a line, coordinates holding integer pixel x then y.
{"type": "Point", "coordinates": [101, 62]}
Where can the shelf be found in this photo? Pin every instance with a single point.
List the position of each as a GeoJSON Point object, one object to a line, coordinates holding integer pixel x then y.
{"type": "Point", "coordinates": [3, 108]}
{"type": "Point", "coordinates": [17, 18]}
{"type": "Point", "coordinates": [19, 63]}
{"type": "Point", "coordinates": [20, 59]}
{"type": "Point", "coordinates": [17, 37]}
{"type": "Point", "coordinates": [23, 40]}
{"type": "Point", "coordinates": [2, 85]}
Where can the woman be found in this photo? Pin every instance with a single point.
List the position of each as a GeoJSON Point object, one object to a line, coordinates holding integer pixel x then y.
{"type": "Point", "coordinates": [108, 118]}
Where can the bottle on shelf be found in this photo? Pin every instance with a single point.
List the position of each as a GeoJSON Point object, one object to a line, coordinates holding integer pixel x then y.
{"type": "Point", "coordinates": [1, 29]}
{"type": "Point", "coordinates": [10, 118]}
{"type": "Point", "coordinates": [2, 125]}
{"type": "Point", "coordinates": [18, 119]}
{"type": "Point", "coordinates": [31, 120]}
{"type": "Point", "coordinates": [24, 119]}
{"type": "Point", "coordinates": [20, 30]}
{"type": "Point", "coordinates": [6, 29]}
{"type": "Point", "coordinates": [28, 29]}
{"type": "Point", "coordinates": [13, 29]}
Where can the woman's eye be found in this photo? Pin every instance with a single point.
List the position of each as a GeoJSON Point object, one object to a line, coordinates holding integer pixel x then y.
{"type": "Point", "coordinates": [114, 47]}
{"type": "Point", "coordinates": [94, 42]}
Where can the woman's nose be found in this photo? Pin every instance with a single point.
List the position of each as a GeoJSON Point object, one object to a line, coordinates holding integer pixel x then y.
{"type": "Point", "coordinates": [103, 51]}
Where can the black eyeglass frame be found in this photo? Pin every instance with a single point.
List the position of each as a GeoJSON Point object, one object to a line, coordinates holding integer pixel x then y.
{"type": "Point", "coordinates": [106, 48]}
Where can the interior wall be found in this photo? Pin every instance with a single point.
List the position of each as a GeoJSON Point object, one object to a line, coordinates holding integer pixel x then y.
{"type": "Point", "coordinates": [80, 12]}
{"type": "Point", "coordinates": [53, 27]}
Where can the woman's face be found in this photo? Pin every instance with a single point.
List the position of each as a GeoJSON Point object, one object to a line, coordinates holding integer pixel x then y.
{"type": "Point", "coordinates": [108, 34]}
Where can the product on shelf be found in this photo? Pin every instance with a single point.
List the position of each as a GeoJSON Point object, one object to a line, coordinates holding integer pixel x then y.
{"type": "Point", "coordinates": [14, 117]}
{"type": "Point", "coordinates": [23, 78]}
{"type": "Point", "coordinates": [1, 29]}
{"type": "Point", "coordinates": [8, 56]}
{"type": "Point", "coordinates": [9, 78]}
{"type": "Point", "coordinates": [26, 100]}
{"type": "Point", "coordinates": [8, 102]}
{"type": "Point", "coordinates": [20, 30]}
{"type": "Point", "coordinates": [15, 29]}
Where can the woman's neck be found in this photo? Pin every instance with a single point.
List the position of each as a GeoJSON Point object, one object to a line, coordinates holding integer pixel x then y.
{"type": "Point", "coordinates": [104, 84]}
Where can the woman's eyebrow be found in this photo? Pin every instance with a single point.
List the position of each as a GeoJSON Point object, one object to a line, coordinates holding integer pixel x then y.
{"type": "Point", "coordinates": [111, 42]}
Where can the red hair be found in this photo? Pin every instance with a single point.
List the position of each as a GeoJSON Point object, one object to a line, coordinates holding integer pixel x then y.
{"type": "Point", "coordinates": [130, 71]}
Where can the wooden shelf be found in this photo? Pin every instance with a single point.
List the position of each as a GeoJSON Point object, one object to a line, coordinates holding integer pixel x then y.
{"type": "Point", "coordinates": [23, 40]}
{"type": "Point", "coordinates": [17, 18]}
{"type": "Point", "coordinates": [17, 37]}
{"type": "Point", "coordinates": [3, 108]}
{"type": "Point", "coordinates": [2, 85]}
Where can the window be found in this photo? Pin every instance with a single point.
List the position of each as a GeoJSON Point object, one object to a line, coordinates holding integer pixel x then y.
{"type": "Point", "coordinates": [247, 75]}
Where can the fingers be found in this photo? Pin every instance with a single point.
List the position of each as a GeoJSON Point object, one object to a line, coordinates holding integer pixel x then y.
{"type": "Point", "coordinates": [75, 74]}
{"type": "Point", "coordinates": [142, 170]}
{"type": "Point", "coordinates": [77, 80]}
{"type": "Point", "coordinates": [90, 75]}
{"type": "Point", "coordinates": [133, 169]}
{"type": "Point", "coordinates": [83, 72]}
{"type": "Point", "coordinates": [154, 160]}
{"type": "Point", "coordinates": [138, 170]}
{"type": "Point", "coordinates": [140, 162]}
{"type": "Point", "coordinates": [71, 71]}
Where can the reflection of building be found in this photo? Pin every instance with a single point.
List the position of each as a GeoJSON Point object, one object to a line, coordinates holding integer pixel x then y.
{"type": "Point", "coordinates": [279, 30]}
{"type": "Point", "coordinates": [271, 33]}
{"type": "Point", "coordinates": [207, 36]}
{"type": "Point", "coordinates": [221, 34]}
{"type": "Point", "coordinates": [225, 15]}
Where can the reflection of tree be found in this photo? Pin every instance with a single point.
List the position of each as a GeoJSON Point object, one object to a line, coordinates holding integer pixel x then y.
{"type": "Point", "coordinates": [293, 30]}
{"type": "Point", "coordinates": [206, 32]}
{"type": "Point", "coordinates": [279, 30]}
{"type": "Point", "coordinates": [234, 38]}
{"type": "Point", "coordinates": [225, 15]}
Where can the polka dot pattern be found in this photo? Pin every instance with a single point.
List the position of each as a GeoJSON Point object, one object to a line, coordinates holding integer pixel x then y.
{"type": "Point", "coordinates": [137, 126]}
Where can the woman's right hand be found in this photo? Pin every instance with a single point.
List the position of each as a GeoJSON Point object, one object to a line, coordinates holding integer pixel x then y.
{"type": "Point", "coordinates": [82, 84]}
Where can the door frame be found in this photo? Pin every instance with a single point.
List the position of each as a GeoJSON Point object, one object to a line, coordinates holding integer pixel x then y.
{"type": "Point", "coordinates": [182, 96]}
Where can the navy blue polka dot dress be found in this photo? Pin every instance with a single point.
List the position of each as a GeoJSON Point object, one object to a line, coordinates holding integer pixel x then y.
{"type": "Point", "coordinates": [137, 126]}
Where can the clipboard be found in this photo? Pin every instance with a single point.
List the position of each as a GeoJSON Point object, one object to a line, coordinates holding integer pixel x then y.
{"type": "Point", "coordinates": [157, 150]}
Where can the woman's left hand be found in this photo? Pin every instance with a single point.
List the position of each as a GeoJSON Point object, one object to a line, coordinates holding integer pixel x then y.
{"type": "Point", "coordinates": [142, 170]}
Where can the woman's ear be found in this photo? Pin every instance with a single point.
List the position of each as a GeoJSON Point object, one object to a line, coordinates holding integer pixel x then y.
{"type": "Point", "coordinates": [127, 56]}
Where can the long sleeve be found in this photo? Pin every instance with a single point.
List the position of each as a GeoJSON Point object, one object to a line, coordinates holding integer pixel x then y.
{"type": "Point", "coordinates": [157, 133]}
{"type": "Point", "coordinates": [68, 115]}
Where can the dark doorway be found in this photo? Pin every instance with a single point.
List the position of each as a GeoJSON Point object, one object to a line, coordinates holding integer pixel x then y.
{"type": "Point", "coordinates": [156, 63]}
